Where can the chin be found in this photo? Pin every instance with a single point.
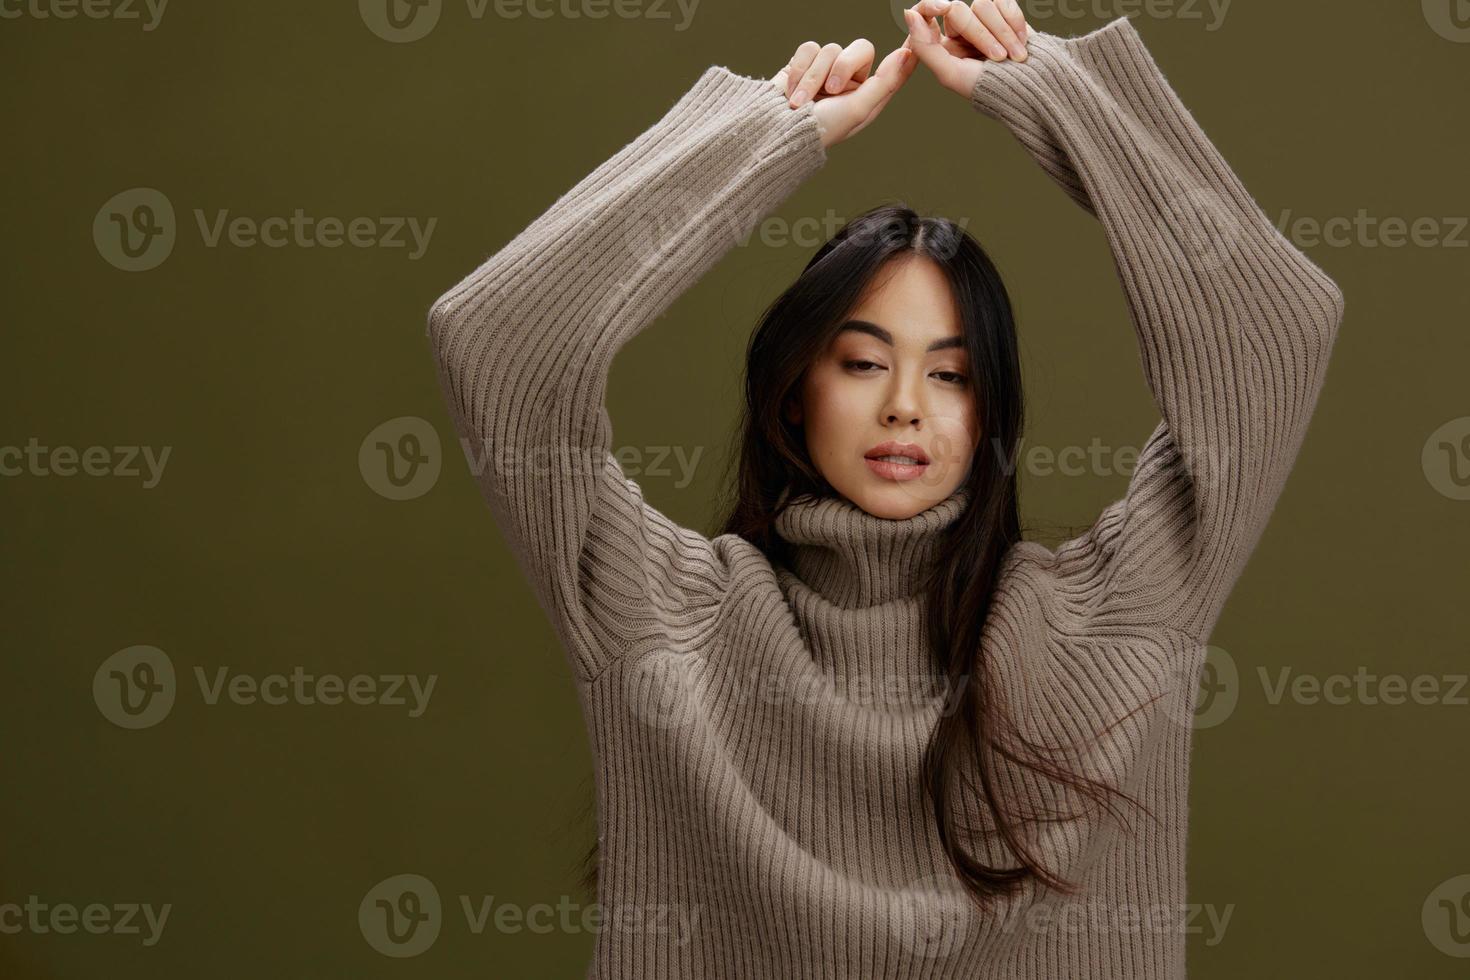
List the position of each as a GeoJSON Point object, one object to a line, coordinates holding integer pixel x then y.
{"type": "Point", "coordinates": [896, 500]}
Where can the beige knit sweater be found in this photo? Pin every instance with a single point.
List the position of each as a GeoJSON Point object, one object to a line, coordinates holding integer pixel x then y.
{"type": "Point", "coordinates": [757, 730]}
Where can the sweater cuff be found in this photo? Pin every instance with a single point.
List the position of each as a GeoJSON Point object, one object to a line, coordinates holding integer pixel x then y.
{"type": "Point", "coordinates": [760, 126]}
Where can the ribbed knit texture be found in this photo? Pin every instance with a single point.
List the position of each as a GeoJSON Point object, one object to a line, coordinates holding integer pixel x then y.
{"type": "Point", "coordinates": [757, 730]}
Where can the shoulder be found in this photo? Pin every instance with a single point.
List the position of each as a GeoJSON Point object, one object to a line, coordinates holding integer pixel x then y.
{"type": "Point", "coordinates": [1079, 588]}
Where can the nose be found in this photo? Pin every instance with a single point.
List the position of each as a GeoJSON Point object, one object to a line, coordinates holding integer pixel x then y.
{"type": "Point", "coordinates": [902, 405]}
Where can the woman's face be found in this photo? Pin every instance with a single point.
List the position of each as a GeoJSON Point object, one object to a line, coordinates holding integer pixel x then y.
{"type": "Point", "coordinates": [896, 373]}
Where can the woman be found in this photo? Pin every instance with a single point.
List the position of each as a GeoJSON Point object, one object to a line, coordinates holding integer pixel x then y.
{"type": "Point", "coordinates": [867, 731]}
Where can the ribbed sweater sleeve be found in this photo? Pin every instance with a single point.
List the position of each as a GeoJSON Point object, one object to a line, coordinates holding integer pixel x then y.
{"type": "Point", "coordinates": [1234, 324]}
{"type": "Point", "coordinates": [525, 343]}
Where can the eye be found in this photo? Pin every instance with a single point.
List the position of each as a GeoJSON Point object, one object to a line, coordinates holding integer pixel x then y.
{"type": "Point", "coordinates": [855, 365]}
{"type": "Point", "coordinates": [953, 377]}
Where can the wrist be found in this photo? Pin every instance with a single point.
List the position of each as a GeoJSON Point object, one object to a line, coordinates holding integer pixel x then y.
{"type": "Point", "coordinates": [822, 129]}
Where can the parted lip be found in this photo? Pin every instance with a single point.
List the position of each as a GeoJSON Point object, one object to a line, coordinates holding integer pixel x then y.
{"type": "Point", "coordinates": [897, 449]}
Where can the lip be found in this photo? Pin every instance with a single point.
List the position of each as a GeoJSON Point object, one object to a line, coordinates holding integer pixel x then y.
{"type": "Point", "coordinates": [891, 448]}
{"type": "Point", "coordinates": [897, 471]}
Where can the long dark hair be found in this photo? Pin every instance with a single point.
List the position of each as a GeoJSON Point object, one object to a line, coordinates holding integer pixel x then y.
{"type": "Point", "coordinates": [770, 458]}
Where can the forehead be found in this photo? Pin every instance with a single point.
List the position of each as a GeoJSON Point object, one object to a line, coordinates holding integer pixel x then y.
{"type": "Point", "coordinates": [911, 305]}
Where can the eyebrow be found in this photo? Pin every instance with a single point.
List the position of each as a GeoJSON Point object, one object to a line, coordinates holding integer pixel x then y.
{"type": "Point", "coordinates": [872, 329]}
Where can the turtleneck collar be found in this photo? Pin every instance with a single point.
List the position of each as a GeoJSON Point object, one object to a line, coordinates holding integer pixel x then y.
{"type": "Point", "coordinates": [854, 559]}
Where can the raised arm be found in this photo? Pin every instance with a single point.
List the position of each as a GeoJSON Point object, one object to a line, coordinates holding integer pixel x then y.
{"type": "Point", "coordinates": [525, 343]}
{"type": "Point", "coordinates": [1234, 324]}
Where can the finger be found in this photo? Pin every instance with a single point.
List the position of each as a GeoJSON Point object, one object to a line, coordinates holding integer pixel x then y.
{"type": "Point", "coordinates": [874, 93]}
{"type": "Point", "coordinates": [852, 65]}
{"type": "Point", "coordinates": [816, 73]}
{"type": "Point", "coordinates": [904, 64]}
{"type": "Point", "coordinates": [956, 46]}
{"type": "Point", "coordinates": [908, 62]}
{"type": "Point", "coordinates": [904, 61]}
{"type": "Point", "coordinates": [925, 38]}
{"type": "Point", "coordinates": [801, 60]}
{"type": "Point", "coordinates": [961, 48]}
{"type": "Point", "coordinates": [995, 21]}
{"type": "Point", "coordinates": [1016, 17]}
{"type": "Point", "coordinates": [961, 22]}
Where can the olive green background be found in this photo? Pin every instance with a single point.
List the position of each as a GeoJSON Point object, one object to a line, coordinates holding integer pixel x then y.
{"type": "Point", "coordinates": [263, 548]}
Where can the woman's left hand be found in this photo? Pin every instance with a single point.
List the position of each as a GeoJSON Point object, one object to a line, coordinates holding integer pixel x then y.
{"type": "Point", "coordinates": [986, 30]}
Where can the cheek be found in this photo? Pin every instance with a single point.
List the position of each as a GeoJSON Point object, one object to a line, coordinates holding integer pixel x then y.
{"type": "Point", "coordinates": [953, 428]}
{"type": "Point", "coordinates": [830, 406]}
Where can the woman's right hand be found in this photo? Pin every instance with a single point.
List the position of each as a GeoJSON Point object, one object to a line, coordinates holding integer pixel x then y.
{"type": "Point", "coordinates": [837, 78]}
{"type": "Point", "coordinates": [985, 30]}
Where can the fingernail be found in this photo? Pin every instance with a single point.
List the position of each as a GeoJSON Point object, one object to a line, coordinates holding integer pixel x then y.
{"type": "Point", "coordinates": [798, 98]}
